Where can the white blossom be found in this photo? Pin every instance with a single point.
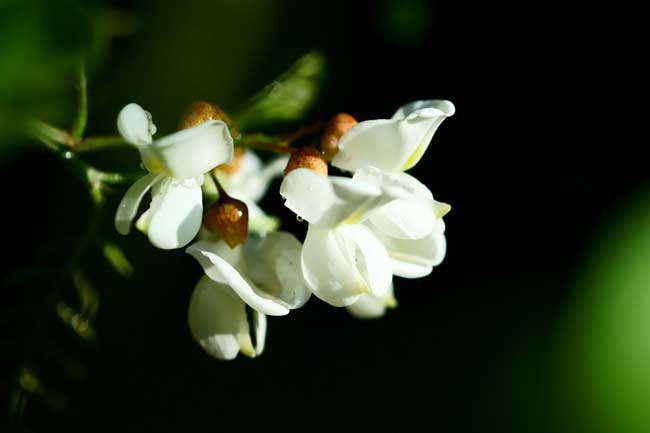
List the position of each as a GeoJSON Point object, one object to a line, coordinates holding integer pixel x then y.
{"type": "Point", "coordinates": [264, 273]}
{"type": "Point", "coordinates": [341, 259]}
{"type": "Point", "coordinates": [176, 164]}
{"type": "Point", "coordinates": [395, 144]}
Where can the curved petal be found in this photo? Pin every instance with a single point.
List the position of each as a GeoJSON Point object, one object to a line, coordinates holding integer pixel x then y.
{"type": "Point", "coordinates": [447, 107]}
{"type": "Point", "coordinates": [217, 319]}
{"type": "Point", "coordinates": [394, 184]}
{"type": "Point", "coordinates": [328, 265]}
{"type": "Point", "coordinates": [130, 203]}
{"type": "Point", "coordinates": [342, 264]}
{"type": "Point", "coordinates": [251, 180]}
{"type": "Point", "coordinates": [415, 258]}
{"type": "Point", "coordinates": [219, 270]}
{"type": "Point", "coordinates": [405, 219]}
{"type": "Point", "coordinates": [273, 263]}
{"type": "Point", "coordinates": [413, 212]}
{"type": "Point", "coordinates": [135, 125]}
{"type": "Point", "coordinates": [259, 325]}
{"type": "Point", "coordinates": [371, 258]}
{"type": "Point", "coordinates": [174, 217]}
{"type": "Point", "coordinates": [326, 201]}
{"type": "Point", "coordinates": [391, 145]}
{"type": "Point", "coordinates": [190, 152]}
{"type": "Point", "coordinates": [372, 307]}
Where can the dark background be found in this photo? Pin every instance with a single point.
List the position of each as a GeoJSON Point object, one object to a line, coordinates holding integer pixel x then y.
{"type": "Point", "coordinates": [546, 154]}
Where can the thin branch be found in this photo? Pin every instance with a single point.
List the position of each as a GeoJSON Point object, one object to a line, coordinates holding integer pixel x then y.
{"type": "Point", "coordinates": [92, 144]}
{"type": "Point", "coordinates": [79, 125]}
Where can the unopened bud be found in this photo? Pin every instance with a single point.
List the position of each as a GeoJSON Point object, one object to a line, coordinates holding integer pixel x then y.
{"type": "Point", "coordinates": [232, 166]}
{"type": "Point", "coordinates": [228, 217]}
{"type": "Point", "coordinates": [333, 131]}
{"type": "Point", "coordinates": [202, 111]}
{"type": "Point", "coordinates": [307, 157]}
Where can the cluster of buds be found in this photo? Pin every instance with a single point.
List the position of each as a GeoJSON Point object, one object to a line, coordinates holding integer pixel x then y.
{"type": "Point", "coordinates": [362, 230]}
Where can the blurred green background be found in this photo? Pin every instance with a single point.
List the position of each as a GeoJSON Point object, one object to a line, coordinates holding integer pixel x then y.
{"type": "Point", "coordinates": [538, 320]}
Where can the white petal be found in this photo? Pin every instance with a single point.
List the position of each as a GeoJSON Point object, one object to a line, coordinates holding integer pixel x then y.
{"type": "Point", "coordinates": [372, 307]}
{"type": "Point", "coordinates": [190, 152]}
{"type": "Point", "coordinates": [326, 201]}
{"type": "Point", "coordinates": [412, 213]}
{"type": "Point", "coordinates": [135, 125]}
{"type": "Point", "coordinates": [130, 203]}
{"type": "Point", "coordinates": [415, 258]}
{"type": "Point", "coordinates": [371, 258]}
{"type": "Point", "coordinates": [251, 180]}
{"type": "Point", "coordinates": [390, 145]}
{"type": "Point", "coordinates": [259, 324]}
{"type": "Point", "coordinates": [175, 214]}
{"type": "Point", "coordinates": [405, 219]}
{"type": "Point", "coordinates": [439, 104]}
{"type": "Point", "coordinates": [221, 271]}
{"type": "Point", "coordinates": [217, 319]}
{"type": "Point", "coordinates": [329, 268]}
{"type": "Point", "coordinates": [273, 263]}
{"type": "Point", "coordinates": [342, 264]}
{"type": "Point", "coordinates": [394, 184]}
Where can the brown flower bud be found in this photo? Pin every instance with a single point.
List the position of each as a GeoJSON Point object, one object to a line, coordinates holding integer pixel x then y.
{"type": "Point", "coordinates": [232, 166]}
{"type": "Point", "coordinates": [202, 111]}
{"type": "Point", "coordinates": [307, 157]}
{"type": "Point", "coordinates": [228, 217]}
{"type": "Point", "coordinates": [332, 133]}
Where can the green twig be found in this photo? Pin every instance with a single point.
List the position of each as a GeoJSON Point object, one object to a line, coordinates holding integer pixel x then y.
{"type": "Point", "coordinates": [79, 125]}
{"type": "Point", "coordinates": [50, 135]}
{"type": "Point", "coordinates": [91, 144]}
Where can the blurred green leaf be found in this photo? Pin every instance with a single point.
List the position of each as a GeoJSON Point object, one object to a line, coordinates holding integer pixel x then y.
{"type": "Point", "coordinates": [117, 259]}
{"type": "Point", "coordinates": [76, 321]}
{"type": "Point", "coordinates": [286, 99]}
{"type": "Point", "coordinates": [41, 46]}
{"type": "Point", "coordinates": [88, 295]}
{"type": "Point", "coordinates": [606, 337]}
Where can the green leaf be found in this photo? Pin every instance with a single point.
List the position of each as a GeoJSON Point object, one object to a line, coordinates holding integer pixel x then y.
{"type": "Point", "coordinates": [286, 99]}
{"type": "Point", "coordinates": [117, 259]}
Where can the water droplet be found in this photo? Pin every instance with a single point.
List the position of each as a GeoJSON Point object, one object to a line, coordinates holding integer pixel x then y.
{"type": "Point", "coordinates": [299, 218]}
{"type": "Point", "coordinates": [67, 155]}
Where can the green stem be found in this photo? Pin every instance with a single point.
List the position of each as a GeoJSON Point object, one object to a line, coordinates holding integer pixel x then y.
{"type": "Point", "coordinates": [278, 144]}
{"type": "Point", "coordinates": [92, 144]}
{"type": "Point", "coordinates": [59, 142]}
{"type": "Point", "coordinates": [79, 125]}
{"type": "Point", "coordinates": [50, 135]}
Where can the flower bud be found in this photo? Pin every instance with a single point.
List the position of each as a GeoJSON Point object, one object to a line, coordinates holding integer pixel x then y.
{"type": "Point", "coordinates": [202, 111]}
{"type": "Point", "coordinates": [228, 217]}
{"type": "Point", "coordinates": [231, 167]}
{"type": "Point", "coordinates": [307, 157]}
{"type": "Point", "coordinates": [332, 133]}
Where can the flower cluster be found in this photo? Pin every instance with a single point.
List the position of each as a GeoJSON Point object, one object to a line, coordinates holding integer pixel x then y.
{"type": "Point", "coordinates": [362, 230]}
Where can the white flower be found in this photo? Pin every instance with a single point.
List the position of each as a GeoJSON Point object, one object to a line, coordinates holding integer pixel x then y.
{"type": "Point", "coordinates": [218, 322]}
{"type": "Point", "coordinates": [411, 226]}
{"type": "Point", "coordinates": [395, 144]}
{"type": "Point", "coordinates": [176, 164]}
{"type": "Point", "coordinates": [341, 258]}
{"type": "Point", "coordinates": [264, 273]}
{"type": "Point", "coordinates": [248, 183]}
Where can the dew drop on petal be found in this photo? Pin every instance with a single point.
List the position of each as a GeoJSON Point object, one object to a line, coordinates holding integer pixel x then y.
{"type": "Point", "coordinates": [299, 218]}
{"type": "Point", "coordinates": [67, 155]}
